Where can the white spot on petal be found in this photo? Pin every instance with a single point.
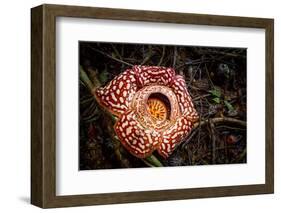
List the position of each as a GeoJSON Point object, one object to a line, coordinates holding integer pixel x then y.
{"type": "Point", "coordinates": [113, 97]}
{"type": "Point", "coordinates": [121, 84]}
{"type": "Point", "coordinates": [128, 130]}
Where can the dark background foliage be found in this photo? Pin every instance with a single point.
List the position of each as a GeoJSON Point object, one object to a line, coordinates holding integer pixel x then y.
{"type": "Point", "coordinates": [216, 80]}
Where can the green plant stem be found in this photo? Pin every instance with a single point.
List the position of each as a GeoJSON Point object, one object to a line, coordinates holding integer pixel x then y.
{"type": "Point", "coordinates": [151, 160]}
{"type": "Point", "coordinates": [85, 79]}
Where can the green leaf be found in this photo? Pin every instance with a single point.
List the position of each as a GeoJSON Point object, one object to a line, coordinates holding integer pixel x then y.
{"type": "Point", "coordinates": [95, 115]}
{"type": "Point", "coordinates": [216, 93]}
{"type": "Point", "coordinates": [85, 79]}
{"type": "Point", "coordinates": [229, 106]}
{"type": "Point", "coordinates": [103, 76]}
{"type": "Point", "coordinates": [217, 100]}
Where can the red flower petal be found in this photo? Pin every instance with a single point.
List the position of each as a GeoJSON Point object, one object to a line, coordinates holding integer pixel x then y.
{"type": "Point", "coordinates": [184, 99]}
{"type": "Point", "coordinates": [147, 75]}
{"type": "Point", "coordinates": [118, 93]}
{"type": "Point", "coordinates": [174, 136]}
{"type": "Point", "coordinates": [139, 141]}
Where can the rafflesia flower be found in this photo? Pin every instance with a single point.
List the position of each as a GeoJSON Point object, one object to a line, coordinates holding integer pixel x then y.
{"type": "Point", "coordinates": [153, 108]}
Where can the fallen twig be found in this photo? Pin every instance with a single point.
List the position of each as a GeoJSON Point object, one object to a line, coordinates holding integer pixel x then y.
{"type": "Point", "coordinates": [109, 56]}
{"type": "Point", "coordinates": [162, 57]}
{"type": "Point", "coordinates": [219, 120]}
{"type": "Point", "coordinates": [149, 55]}
{"type": "Point", "coordinates": [213, 137]}
{"type": "Point", "coordinates": [175, 56]}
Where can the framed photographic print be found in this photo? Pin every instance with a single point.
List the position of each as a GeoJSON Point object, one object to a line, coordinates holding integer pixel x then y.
{"type": "Point", "coordinates": [136, 106]}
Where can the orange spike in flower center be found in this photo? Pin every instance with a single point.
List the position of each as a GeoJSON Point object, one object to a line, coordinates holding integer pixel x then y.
{"type": "Point", "coordinates": [157, 109]}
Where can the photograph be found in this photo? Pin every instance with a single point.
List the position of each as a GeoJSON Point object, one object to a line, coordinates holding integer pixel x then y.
{"type": "Point", "coordinates": [152, 105]}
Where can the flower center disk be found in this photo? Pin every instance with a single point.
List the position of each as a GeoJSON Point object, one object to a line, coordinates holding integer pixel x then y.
{"type": "Point", "coordinates": [157, 109]}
